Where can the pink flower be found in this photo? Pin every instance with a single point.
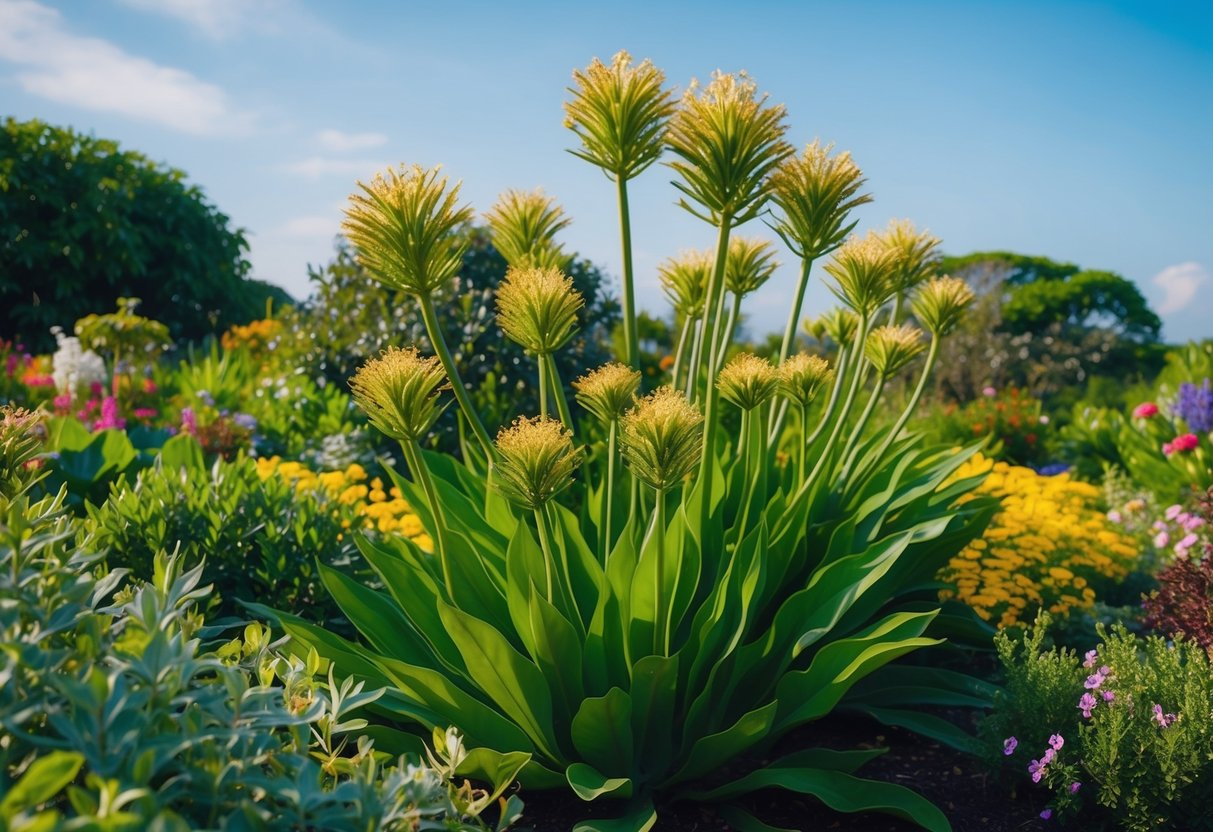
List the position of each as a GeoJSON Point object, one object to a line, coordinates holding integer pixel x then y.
{"type": "Point", "coordinates": [1074, 787]}
{"type": "Point", "coordinates": [1115, 516]}
{"type": "Point", "coordinates": [189, 421]}
{"type": "Point", "coordinates": [63, 401]}
{"type": "Point", "coordinates": [1161, 540]}
{"type": "Point", "coordinates": [1193, 522]}
{"type": "Point", "coordinates": [1009, 745]}
{"type": "Point", "coordinates": [110, 420]}
{"type": "Point", "coordinates": [1145, 410]}
{"type": "Point", "coordinates": [989, 392]}
{"type": "Point", "coordinates": [1056, 741]}
{"type": "Point", "coordinates": [1108, 695]}
{"type": "Point", "coordinates": [1172, 511]}
{"type": "Point", "coordinates": [1095, 680]}
{"type": "Point", "coordinates": [149, 386]}
{"type": "Point", "coordinates": [144, 412]}
{"type": "Point", "coordinates": [95, 388]}
{"type": "Point", "coordinates": [1181, 444]}
{"type": "Point", "coordinates": [1036, 768]}
{"type": "Point", "coordinates": [1163, 720]}
{"type": "Point", "coordinates": [1087, 704]}
{"type": "Point", "coordinates": [1089, 658]}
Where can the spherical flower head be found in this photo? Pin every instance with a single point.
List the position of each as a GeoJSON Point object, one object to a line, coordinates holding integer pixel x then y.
{"type": "Point", "coordinates": [1181, 444]}
{"type": "Point", "coordinates": [620, 112]}
{"type": "Point", "coordinates": [839, 323]}
{"type": "Point", "coordinates": [749, 264]}
{"type": "Point", "coordinates": [537, 308]}
{"type": "Point", "coordinates": [728, 140]}
{"type": "Point", "coordinates": [684, 279]}
{"type": "Point", "coordinates": [940, 304]}
{"type": "Point", "coordinates": [607, 391]}
{"type": "Point", "coordinates": [803, 376]}
{"type": "Point", "coordinates": [399, 392]}
{"type": "Point", "coordinates": [890, 348]}
{"type": "Point", "coordinates": [662, 438]}
{"type": "Point", "coordinates": [524, 227]}
{"type": "Point", "coordinates": [862, 270]}
{"type": "Point", "coordinates": [815, 193]}
{"type": "Point", "coordinates": [536, 461]}
{"type": "Point", "coordinates": [748, 381]}
{"type": "Point", "coordinates": [405, 227]}
{"type": "Point", "coordinates": [915, 253]}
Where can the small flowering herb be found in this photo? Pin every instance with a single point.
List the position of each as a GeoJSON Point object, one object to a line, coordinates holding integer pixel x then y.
{"type": "Point", "coordinates": [1089, 658]}
{"type": "Point", "coordinates": [1056, 741]}
{"type": "Point", "coordinates": [1087, 704]}
{"type": "Point", "coordinates": [1009, 745]}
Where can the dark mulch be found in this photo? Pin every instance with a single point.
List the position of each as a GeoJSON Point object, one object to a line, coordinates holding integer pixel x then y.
{"type": "Point", "coordinates": [971, 797]}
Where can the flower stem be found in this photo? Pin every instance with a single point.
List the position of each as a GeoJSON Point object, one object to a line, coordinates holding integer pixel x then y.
{"type": "Point", "coordinates": [727, 333]}
{"type": "Point", "coordinates": [932, 357]}
{"type": "Point", "coordinates": [710, 393]}
{"type": "Point", "coordinates": [679, 353]}
{"type": "Point", "coordinates": [661, 636]}
{"type": "Point", "coordinates": [855, 368]}
{"type": "Point", "coordinates": [546, 546]}
{"type": "Point", "coordinates": [631, 340]}
{"type": "Point", "coordinates": [607, 536]}
{"type": "Point", "coordinates": [543, 388]}
{"type": "Point", "coordinates": [562, 403]}
{"type": "Point", "coordinates": [415, 460]}
{"type": "Point", "coordinates": [430, 317]}
{"type": "Point", "coordinates": [789, 338]}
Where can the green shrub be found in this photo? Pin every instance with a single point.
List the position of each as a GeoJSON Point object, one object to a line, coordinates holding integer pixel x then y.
{"type": "Point", "coordinates": [261, 539]}
{"type": "Point", "coordinates": [1121, 738]}
{"type": "Point", "coordinates": [86, 223]}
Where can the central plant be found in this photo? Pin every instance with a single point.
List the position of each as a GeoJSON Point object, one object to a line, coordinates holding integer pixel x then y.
{"type": "Point", "coordinates": [636, 604]}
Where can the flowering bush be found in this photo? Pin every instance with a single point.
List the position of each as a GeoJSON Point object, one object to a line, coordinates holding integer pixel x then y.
{"type": "Point", "coordinates": [1120, 738]}
{"type": "Point", "coordinates": [1194, 405]}
{"type": "Point", "coordinates": [1011, 418]}
{"type": "Point", "coordinates": [1183, 602]}
{"type": "Point", "coordinates": [1048, 547]}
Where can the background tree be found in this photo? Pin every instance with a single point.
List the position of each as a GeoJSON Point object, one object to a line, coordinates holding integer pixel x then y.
{"type": "Point", "coordinates": [1047, 326]}
{"type": "Point", "coordinates": [83, 223]}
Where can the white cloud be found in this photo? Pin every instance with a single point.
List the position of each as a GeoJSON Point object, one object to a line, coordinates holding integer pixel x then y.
{"type": "Point", "coordinates": [1179, 284]}
{"type": "Point", "coordinates": [309, 227]}
{"type": "Point", "coordinates": [97, 75]}
{"type": "Point", "coordinates": [319, 166]}
{"type": "Point", "coordinates": [216, 19]}
{"type": "Point", "coordinates": [340, 142]}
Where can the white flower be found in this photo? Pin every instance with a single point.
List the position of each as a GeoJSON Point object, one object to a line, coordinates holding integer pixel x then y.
{"type": "Point", "coordinates": [74, 369]}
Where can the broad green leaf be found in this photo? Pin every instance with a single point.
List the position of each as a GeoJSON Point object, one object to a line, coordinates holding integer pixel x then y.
{"type": "Point", "coordinates": [640, 818]}
{"type": "Point", "coordinates": [496, 769]}
{"type": "Point", "coordinates": [45, 778]}
{"type": "Point", "coordinates": [602, 731]}
{"type": "Point", "coordinates": [654, 709]}
{"type": "Point", "coordinates": [712, 751]}
{"type": "Point", "coordinates": [590, 784]}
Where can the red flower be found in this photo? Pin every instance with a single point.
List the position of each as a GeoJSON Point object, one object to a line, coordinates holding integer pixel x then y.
{"type": "Point", "coordinates": [1181, 444]}
{"type": "Point", "coordinates": [1145, 410]}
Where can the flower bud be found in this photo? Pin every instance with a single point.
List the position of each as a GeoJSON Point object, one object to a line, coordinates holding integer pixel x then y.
{"type": "Point", "coordinates": [803, 376]}
{"type": "Point", "coordinates": [524, 226]}
{"type": "Point", "coordinates": [398, 391]}
{"type": "Point", "coordinates": [662, 438]}
{"type": "Point", "coordinates": [940, 304]}
{"type": "Point", "coordinates": [747, 381]}
{"type": "Point", "coordinates": [862, 270]}
{"type": "Point", "coordinates": [537, 308]}
{"type": "Point", "coordinates": [684, 279]}
{"type": "Point", "coordinates": [915, 254]}
{"type": "Point", "coordinates": [607, 391]}
{"type": "Point", "coordinates": [749, 264]}
{"type": "Point", "coordinates": [536, 461]}
{"type": "Point", "coordinates": [814, 194]}
{"type": "Point", "coordinates": [890, 348]}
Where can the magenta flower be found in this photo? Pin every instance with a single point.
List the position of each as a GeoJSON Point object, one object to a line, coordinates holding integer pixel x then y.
{"type": "Point", "coordinates": [1009, 745]}
{"type": "Point", "coordinates": [63, 401]}
{"type": "Point", "coordinates": [1095, 680]}
{"type": "Point", "coordinates": [1089, 658]}
{"type": "Point", "coordinates": [1036, 768]}
{"type": "Point", "coordinates": [1181, 444]}
{"type": "Point", "coordinates": [1163, 720]}
{"type": "Point", "coordinates": [1108, 695]}
{"type": "Point", "coordinates": [1087, 704]}
{"type": "Point", "coordinates": [1056, 741]}
{"type": "Point", "coordinates": [1074, 787]}
{"type": "Point", "coordinates": [1172, 511]}
{"type": "Point", "coordinates": [1161, 540]}
{"type": "Point", "coordinates": [189, 421]}
{"type": "Point", "coordinates": [144, 412]}
{"type": "Point", "coordinates": [109, 420]}
{"type": "Point", "coordinates": [1145, 410]}
{"type": "Point", "coordinates": [989, 392]}
{"type": "Point", "coordinates": [1046, 814]}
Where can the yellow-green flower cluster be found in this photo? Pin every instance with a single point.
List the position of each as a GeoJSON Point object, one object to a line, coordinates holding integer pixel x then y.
{"type": "Point", "coordinates": [356, 499]}
{"type": "Point", "coordinates": [1046, 546]}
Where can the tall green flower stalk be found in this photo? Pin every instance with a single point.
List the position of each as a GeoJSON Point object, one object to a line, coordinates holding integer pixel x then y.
{"type": "Point", "coordinates": [915, 256]}
{"type": "Point", "coordinates": [620, 113]}
{"type": "Point", "coordinates": [662, 442]}
{"type": "Point", "coordinates": [813, 194]}
{"type": "Point", "coordinates": [888, 350]}
{"type": "Point", "coordinates": [537, 309]}
{"type": "Point", "coordinates": [801, 378]}
{"type": "Point", "coordinates": [727, 140]}
{"type": "Point", "coordinates": [749, 382]}
{"type": "Point", "coordinates": [749, 265]}
{"type": "Point", "coordinates": [606, 393]}
{"type": "Point", "coordinates": [405, 227]}
{"type": "Point", "coordinates": [399, 392]}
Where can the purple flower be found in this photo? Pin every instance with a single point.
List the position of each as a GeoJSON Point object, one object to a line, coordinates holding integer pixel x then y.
{"type": "Point", "coordinates": [206, 398]}
{"type": "Point", "coordinates": [1086, 705]}
{"type": "Point", "coordinates": [1089, 658]}
{"type": "Point", "coordinates": [1095, 680]}
{"type": "Point", "coordinates": [245, 420]}
{"type": "Point", "coordinates": [1108, 695]}
{"type": "Point", "coordinates": [1195, 406]}
{"type": "Point", "coordinates": [1036, 768]}
{"type": "Point", "coordinates": [1056, 741]}
{"type": "Point", "coordinates": [1048, 757]}
{"type": "Point", "coordinates": [1115, 516]}
{"type": "Point", "coordinates": [1046, 814]}
{"type": "Point", "coordinates": [1163, 720]}
{"type": "Point", "coordinates": [189, 421]}
{"type": "Point", "coordinates": [1074, 787]}
{"type": "Point", "coordinates": [1009, 745]}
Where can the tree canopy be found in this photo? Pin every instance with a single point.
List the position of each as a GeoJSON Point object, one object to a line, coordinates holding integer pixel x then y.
{"type": "Point", "coordinates": [84, 223]}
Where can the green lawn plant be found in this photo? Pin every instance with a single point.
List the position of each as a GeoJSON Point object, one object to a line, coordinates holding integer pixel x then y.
{"type": "Point", "coordinates": [640, 618]}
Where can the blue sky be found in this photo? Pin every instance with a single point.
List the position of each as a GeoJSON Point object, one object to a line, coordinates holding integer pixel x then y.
{"type": "Point", "coordinates": [1078, 131]}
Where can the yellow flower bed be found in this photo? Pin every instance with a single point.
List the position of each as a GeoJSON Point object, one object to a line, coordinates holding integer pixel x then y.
{"type": "Point", "coordinates": [359, 500]}
{"type": "Point", "coordinates": [1043, 549]}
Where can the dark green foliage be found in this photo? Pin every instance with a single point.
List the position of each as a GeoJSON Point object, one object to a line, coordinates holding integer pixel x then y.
{"type": "Point", "coordinates": [1083, 299]}
{"type": "Point", "coordinates": [83, 223]}
{"type": "Point", "coordinates": [351, 318]}
{"type": "Point", "coordinates": [261, 540]}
